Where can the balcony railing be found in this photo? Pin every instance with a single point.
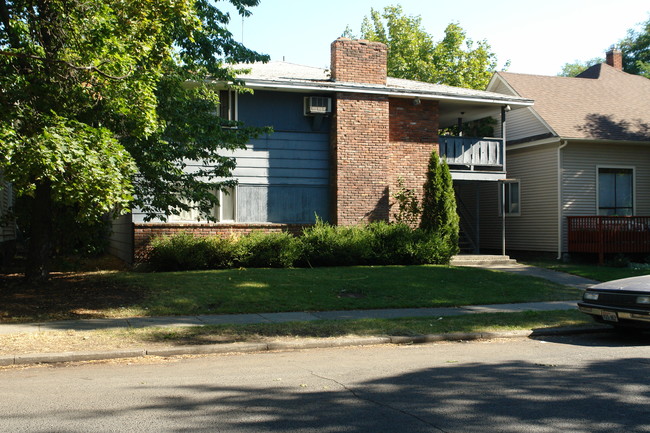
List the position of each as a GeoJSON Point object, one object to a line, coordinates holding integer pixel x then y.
{"type": "Point", "coordinates": [472, 152]}
{"type": "Point", "coordinates": [608, 234]}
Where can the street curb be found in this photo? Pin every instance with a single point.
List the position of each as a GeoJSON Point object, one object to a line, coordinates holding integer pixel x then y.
{"type": "Point", "coordinates": [50, 358]}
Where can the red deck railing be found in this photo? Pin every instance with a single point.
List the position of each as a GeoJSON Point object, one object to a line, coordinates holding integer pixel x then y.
{"type": "Point", "coordinates": [607, 234]}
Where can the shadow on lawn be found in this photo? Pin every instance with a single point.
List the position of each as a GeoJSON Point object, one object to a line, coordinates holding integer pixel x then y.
{"type": "Point", "coordinates": [68, 295]}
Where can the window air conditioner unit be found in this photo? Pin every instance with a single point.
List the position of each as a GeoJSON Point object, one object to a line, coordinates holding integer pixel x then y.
{"type": "Point", "coordinates": [317, 105]}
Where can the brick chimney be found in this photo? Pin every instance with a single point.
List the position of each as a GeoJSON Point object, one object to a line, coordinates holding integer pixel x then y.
{"type": "Point", "coordinates": [614, 58]}
{"type": "Point", "coordinates": [359, 61]}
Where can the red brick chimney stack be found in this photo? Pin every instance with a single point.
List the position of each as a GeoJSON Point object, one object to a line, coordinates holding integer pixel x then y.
{"type": "Point", "coordinates": [614, 58]}
{"type": "Point", "coordinates": [359, 61]}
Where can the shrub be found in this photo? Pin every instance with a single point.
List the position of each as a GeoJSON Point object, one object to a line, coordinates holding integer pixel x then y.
{"type": "Point", "coordinates": [267, 250]}
{"type": "Point", "coordinates": [327, 245]}
{"type": "Point", "coordinates": [377, 243]}
{"type": "Point", "coordinates": [439, 204]}
{"type": "Point", "coordinates": [184, 251]}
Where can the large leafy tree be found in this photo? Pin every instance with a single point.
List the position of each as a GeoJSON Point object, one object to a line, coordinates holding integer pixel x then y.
{"type": "Point", "coordinates": [636, 50]}
{"type": "Point", "coordinates": [413, 54]}
{"type": "Point", "coordinates": [576, 68]}
{"type": "Point", "coordinates": [96, 113]}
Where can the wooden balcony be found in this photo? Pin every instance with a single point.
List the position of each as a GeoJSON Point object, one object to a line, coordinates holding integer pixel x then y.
{"type": "Point", "coordinates": [472, 153]}
{"type": "Point", "coordinates": [608, 234]}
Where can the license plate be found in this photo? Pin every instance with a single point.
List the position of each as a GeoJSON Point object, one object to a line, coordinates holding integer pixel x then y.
{"type": "Point", "coordinates": [609, 316]}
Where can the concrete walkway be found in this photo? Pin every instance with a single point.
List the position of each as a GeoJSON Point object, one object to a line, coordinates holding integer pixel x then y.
{"type": "Point", "coordinates": [223, 319]}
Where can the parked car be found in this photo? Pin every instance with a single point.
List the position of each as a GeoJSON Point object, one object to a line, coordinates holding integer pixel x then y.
{"type": "Point", "coordinates": [621, 303]}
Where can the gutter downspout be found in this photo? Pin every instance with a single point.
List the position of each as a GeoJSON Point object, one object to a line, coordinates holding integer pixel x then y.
{"type": "Point", "coordinates": [563, 144]}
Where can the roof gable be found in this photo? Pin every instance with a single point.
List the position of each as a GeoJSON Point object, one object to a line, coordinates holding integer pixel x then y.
{"type": "Point", "coordinates": [602, 103]}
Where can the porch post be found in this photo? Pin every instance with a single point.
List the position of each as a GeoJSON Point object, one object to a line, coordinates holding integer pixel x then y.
{"type": "Point", "coordinates": [477, 244]}
{"type": "Point", "coordinates": [503, 218]}
{"type": "Point", "coordinates": [503, 184]}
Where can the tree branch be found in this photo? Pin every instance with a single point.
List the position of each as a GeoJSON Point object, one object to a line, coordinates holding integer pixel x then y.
{"type": "Point", "coordinates": [90, 68]}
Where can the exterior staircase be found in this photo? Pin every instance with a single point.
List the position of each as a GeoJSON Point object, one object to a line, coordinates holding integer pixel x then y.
{"type": "Point", "coordinates": [480, 260]}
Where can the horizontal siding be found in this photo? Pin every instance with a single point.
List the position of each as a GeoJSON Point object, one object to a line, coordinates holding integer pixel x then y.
{"type": "Point", "coordinates": [282, 203]}
{"type": "Point", "coordinates": [522, 123]}
{"type": "Point", "coordinates": [121, 239]}
{"type": "Point", "coordinates": [579, 172]}
{"type": "Point", "coordinates": [536, 227]}
{"type": "Point", "coordinates": [282, 177]}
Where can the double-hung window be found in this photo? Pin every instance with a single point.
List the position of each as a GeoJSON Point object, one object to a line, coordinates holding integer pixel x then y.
{"type": "Point", "coordinates": [223, 212]}
{"type": "Point", "coordinates": [615, 191]}
{"type": "Point", "coordinates": [512, 196]}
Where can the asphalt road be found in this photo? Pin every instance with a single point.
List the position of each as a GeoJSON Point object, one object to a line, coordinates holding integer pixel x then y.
{"type": "Point", "coordinates": [587, 383]}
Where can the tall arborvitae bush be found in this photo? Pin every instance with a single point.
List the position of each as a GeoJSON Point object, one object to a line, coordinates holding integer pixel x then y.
{"type": "Point", "coordinates": [439, 215]}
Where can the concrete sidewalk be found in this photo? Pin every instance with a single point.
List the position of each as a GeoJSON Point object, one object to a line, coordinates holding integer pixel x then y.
{"type": "Point", "coordinates": [223, 319]}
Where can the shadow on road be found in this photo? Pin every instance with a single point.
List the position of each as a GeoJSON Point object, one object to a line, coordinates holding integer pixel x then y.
{"type": "Point", "coordinates": [607, 338]}
{"type": "Point", "coordinates": [516, 396]}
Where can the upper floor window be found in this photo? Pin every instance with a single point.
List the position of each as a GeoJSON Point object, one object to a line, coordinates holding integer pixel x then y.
{"type": "Point", "coordinates": [228, 105]}
{"type": "Point", "coordinates": [615, 191]}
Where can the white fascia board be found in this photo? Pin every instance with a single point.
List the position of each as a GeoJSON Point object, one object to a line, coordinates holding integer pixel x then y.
{"type": "Point", "coordinates": [386, 91]}
{"type": "Point", "coordinates": [477, 175]}
{"type": "Point", "coordinates": [549, 140]}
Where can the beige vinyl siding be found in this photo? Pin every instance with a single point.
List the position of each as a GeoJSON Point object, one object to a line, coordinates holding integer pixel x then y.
{"type": "Point", "coordinates": [536, 227]}
{"type": "Point", "coordinates": [522, 123]}
{"type": "Point", "coordinates": [121, 240]}
{"type": "Point", "coordinates": [579, 173]}
{"type": "Point", "coordinates": [501, 87]}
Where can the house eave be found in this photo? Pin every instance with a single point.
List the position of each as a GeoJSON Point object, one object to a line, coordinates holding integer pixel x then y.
{"type": "Point", "coordinates": [336, 87]}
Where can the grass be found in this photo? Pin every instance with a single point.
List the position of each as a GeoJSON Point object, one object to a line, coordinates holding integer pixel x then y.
{"type": "Point", "coordinates": [594, 272]}
{"type": "Point", "coordinates": [365, 327]}
{"type": "Point", "coordinates": [58, 341]}
{"type": "Point", "coordinates": [322, 289]}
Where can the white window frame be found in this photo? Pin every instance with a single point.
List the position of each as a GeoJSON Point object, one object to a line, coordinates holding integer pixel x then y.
{"type": "Point", "coordinates": [217, 211]}
{"type": "Point", "coordinates": [508, 204]}
{"type": "Point", "coordinates": [615, 167]}
{"type": "Point", "coordinates": [233, 105]}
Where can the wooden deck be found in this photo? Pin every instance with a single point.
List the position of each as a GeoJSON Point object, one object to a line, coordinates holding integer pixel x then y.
{"type": "Point", "coordinates": [608, 234]}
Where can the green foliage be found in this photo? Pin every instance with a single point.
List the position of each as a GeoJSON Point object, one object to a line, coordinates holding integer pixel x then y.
{"type": "Point", "coordinates": [408, 205]}
{"type": "Point", "coordinates": [268, 250]}
{"type": "Point", "coordinates": [636, 50]}
{"type": "Point", "coordinates": [85, 166]}
{"type": "Point", "coordinates": [413, 54]}
{"type": "Point", "coordinates": [576, 68]}
{"type": "Point", "coordinates": [320, 245]}
{"type": "Point", "coordinates": [95, 112]}
{"type": "Point", "coordinates": [328, 245]}
{"type": "Point", "coordinates": [439, 215]}
{"type": "Point", "coordinates": [184, 251]}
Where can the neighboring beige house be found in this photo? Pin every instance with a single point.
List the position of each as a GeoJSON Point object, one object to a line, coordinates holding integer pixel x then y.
{"type": "Point", "coordinates": [583, 149]}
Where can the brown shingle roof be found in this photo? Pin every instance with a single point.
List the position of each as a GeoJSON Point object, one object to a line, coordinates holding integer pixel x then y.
{"type": "Point", "coordinates": [602, 103]}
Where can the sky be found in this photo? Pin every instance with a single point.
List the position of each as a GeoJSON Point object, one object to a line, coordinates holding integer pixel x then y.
{"type": "Point", "coordinates": [538, 37]}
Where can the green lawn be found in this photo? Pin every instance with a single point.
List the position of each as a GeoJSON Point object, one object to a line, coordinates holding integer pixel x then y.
{"type": "Point", "coordinates": [595, 272]}
{"type": "Point", "coordinates": [491, 322]}
{"type": "Point", "coordinates": [322, 289]}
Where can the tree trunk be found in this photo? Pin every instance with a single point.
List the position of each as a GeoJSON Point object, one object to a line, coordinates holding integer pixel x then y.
{"type": "Point", "coordinates": [40, 243]}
